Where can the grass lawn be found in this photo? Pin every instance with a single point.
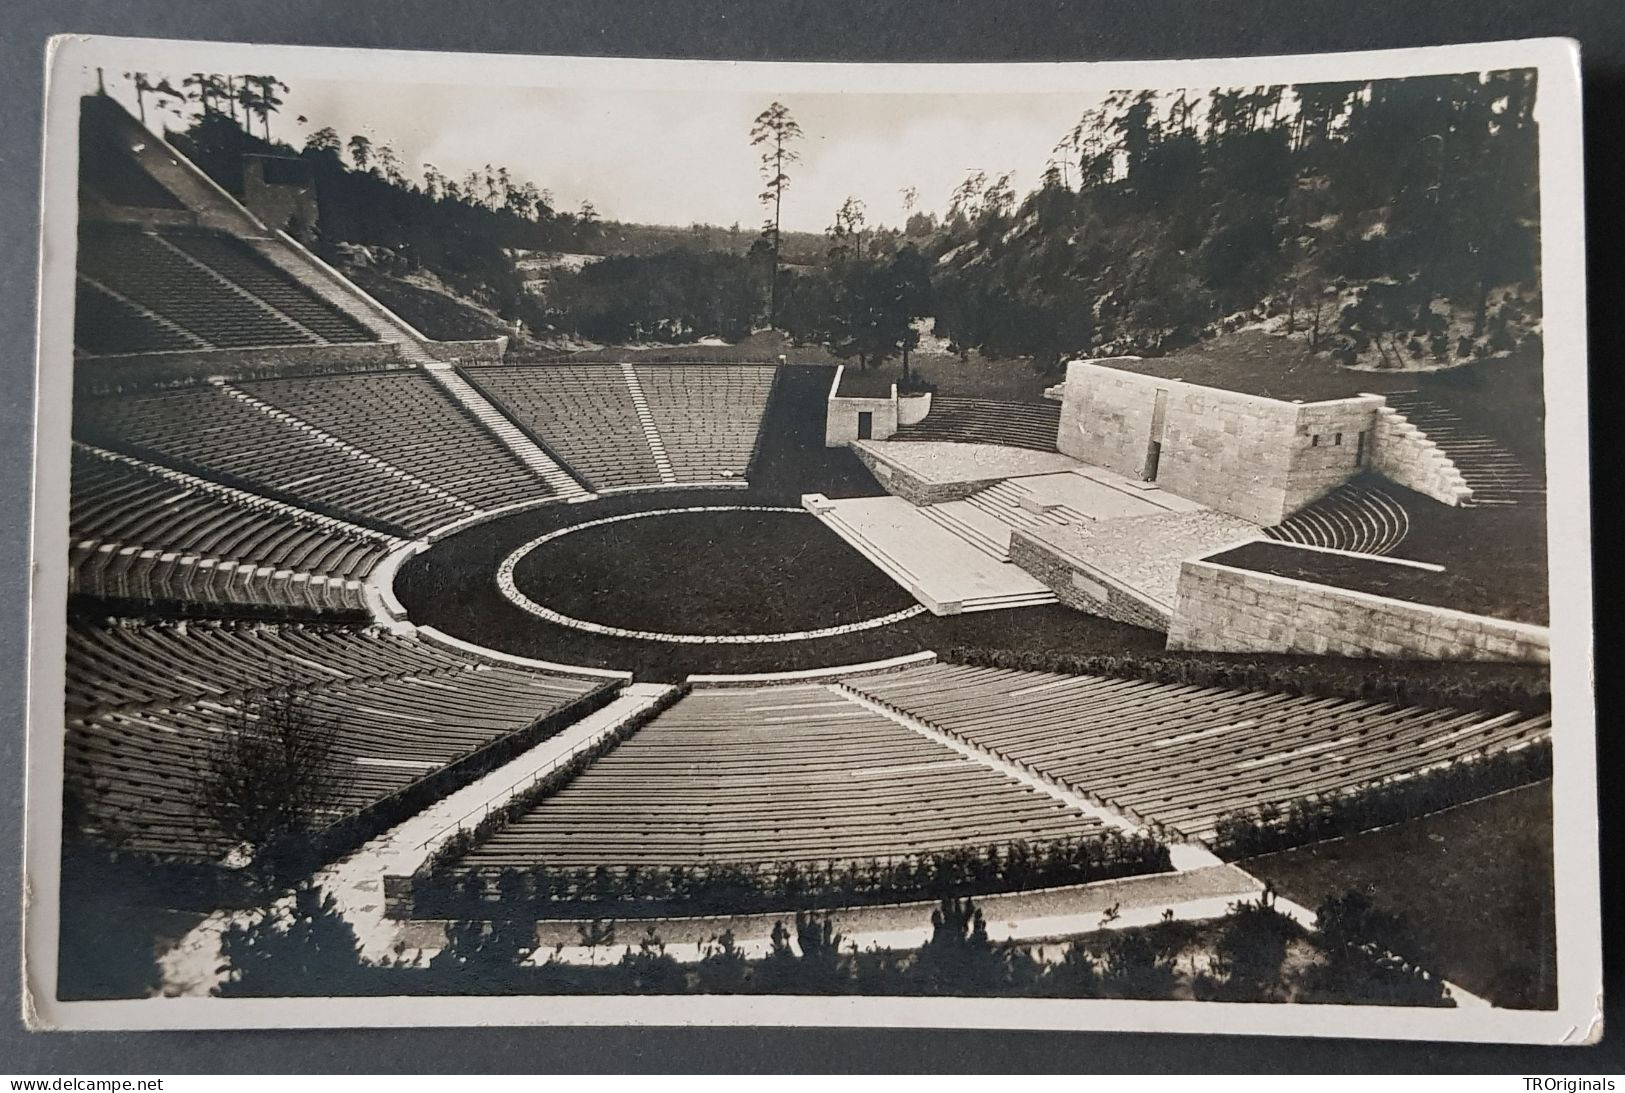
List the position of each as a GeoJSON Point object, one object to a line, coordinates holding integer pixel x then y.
{"type": "Point", "coordinates": [452, 586]}
{"type": "Point", "coordinates": [1491, 567]}
{"type": "Point", "coordinates": [1474, 883]}
{"type": "Point", "coordinates": [1271, 365]}
{"type": "Point", "coordinates": [780, 571]}
{"type": "Point", "coordinates": [1494, 555]}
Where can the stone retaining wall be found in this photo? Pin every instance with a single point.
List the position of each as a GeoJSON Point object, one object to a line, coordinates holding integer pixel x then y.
{"type": "Point", "coordinates": [890, 411]}
{"type": "Point", "coordinates": [1403, 454]}
{"type": "Point", "coordinates": [1257, 458]}
{"type": "Point", "coordinates": [1227, 610]}
{"type": "Point", "coordinates": [1085, 587]}
{"type": "Point", "coordinates": [106, 375]}
{"type": "Point", "coordinates": [901, 482]}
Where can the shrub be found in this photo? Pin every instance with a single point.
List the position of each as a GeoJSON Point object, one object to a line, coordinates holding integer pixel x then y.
{"type": "Point", "coordinates": [740, 888]}
{"type": "Point", "coordinates": [1358, 943]}
{"type": "Point", "coordinates": [1492, 687]}
{"type": "Point", "coordinates": [1249, 953]}
{"type": "Point", "coordinates": [1273, 827]}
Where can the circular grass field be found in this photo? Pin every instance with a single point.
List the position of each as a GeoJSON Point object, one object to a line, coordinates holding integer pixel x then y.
{"type": "Point", "coordinates": [709, 570]}
{"type": "Point", "coordinates": [715, 572]}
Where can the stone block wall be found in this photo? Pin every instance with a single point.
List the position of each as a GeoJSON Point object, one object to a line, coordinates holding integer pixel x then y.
{"type": "Point", "coordinates": [912, 409]}
{"type": "Point", "coordinates": [1403, 454]}
{"type": "Point", "coordinates": [482, 351]}
{"type": "Point", "coordinates": [901, 482]}
{"type": "Point", "coordinates": [1221, 609]}
{"type": "Point", "coordinates": [1254, 457]}
{"type": "Point", "coordinates": [1084, 587]}
{"type": "Point", "coordinates": [841, 414]}
{"type": "Point", "coordinates": [1326, 450]}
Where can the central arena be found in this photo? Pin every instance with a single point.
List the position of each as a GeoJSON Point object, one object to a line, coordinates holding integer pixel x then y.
{"type": "Point", "coordinates": [734, 574]}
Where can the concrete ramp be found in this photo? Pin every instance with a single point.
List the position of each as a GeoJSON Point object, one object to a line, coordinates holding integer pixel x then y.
{"type": "Point", "coordinates": [939, 568]}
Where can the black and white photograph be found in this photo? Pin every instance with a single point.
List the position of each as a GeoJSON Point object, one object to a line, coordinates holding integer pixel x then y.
{"type": "Point", "coordinates": [561, 540]}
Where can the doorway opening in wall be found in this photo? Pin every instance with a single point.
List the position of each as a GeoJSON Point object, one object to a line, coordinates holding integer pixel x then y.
{"type": "Point", "coordinates": [1153, 451]}
{"type": "Point", "coordinates": [866, 424]}
{"type": "Point", "coordinates": [1359, 448]}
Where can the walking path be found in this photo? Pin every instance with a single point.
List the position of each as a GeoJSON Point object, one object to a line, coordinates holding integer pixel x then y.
{"type": "Point", "coordinates": [192, 966]}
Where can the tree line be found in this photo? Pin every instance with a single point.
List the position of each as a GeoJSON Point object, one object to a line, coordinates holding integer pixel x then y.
{"type": "Point", "coordinates": [463, 229]}
{"type": "Point", "coordinates": [1386, 222]}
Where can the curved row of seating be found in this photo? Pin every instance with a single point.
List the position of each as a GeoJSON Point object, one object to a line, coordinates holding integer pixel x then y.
{"type": "Point", "coordinates": [119, 500]}
{"type": "Point", "coordinates": [986, 421]}
{"type": "Point", "coordinates": [1180, 757]}
{"type": "Point", "coordinates": [1358, 516]}
{"type": "Point", "coordinates": [118, 571]}
{"type": "Point", "coordinates": [769, 775]}
{"type": "Point", "coordinates": [105, 325]}
{"type": "Point", "coordinates": [149, 704]}
{"type": "Point", "coordinates": [606, 421]}
{"type": "Point", "coordinates": [707, 415]}
{"type": "Point", "coordinates": [213, 287]}
{"type": "Point", "coordinates": [122, 662]}
{"type": "Point", "coordinates": [237, 261]}
{"type": "Point", "coordinates": [408, 420]}
{"type": "Point", "coordinates": [584, 413]}
{"type": "Point", "coordinates": [223, 432]}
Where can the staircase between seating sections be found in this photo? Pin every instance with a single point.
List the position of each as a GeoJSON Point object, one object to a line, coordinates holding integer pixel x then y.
{"type": "Point", "coordinates": [651, 433]}
{"type": "Point", "coordinates": [545, 467]}
{"type": "Point", "coordinates": [1495, 475]}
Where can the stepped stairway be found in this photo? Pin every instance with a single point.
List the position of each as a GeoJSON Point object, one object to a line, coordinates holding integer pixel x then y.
{"type": "Point", "coordinates": [942, 568]}
{"type": "Point", "coordinates": [646, 419]}
{"type": "Point", "coordinates": [986, 518]}
{"type": "Point", "coordinates": [1495, 475]}
{"type": "Point", "coordinates": [985, 421]}
{"type": "Point", "coordinates": [545, 467]}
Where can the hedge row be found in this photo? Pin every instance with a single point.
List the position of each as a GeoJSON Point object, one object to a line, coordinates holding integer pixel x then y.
{"type": "Point", "coordinates": [346, 834]}
{"type": "Point", "coordinates": [746, 888]}
{"type": "Point", "coordinates": [1494, 687]}
{"type": "Point", "coordinates": [1311, 819]}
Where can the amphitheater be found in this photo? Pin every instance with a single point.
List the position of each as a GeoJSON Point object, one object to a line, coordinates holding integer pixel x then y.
{"type": "Point", "coordinates": [481, 568]}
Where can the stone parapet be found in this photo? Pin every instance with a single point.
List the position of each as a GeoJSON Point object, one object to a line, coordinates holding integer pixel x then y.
{"type": "Point", "coordinates": [1229, 610]}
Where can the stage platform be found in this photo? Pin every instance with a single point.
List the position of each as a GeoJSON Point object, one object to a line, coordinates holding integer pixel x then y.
{"type": "Point", "coordinates": [938, 567]}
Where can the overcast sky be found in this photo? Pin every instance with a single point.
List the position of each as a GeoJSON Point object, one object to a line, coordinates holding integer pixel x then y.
{"type": "Point", "coordinates": [677, 157]}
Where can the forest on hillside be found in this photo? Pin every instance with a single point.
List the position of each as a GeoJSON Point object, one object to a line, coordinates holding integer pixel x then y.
{"type": "Point", "coordinates": [1386, 223]}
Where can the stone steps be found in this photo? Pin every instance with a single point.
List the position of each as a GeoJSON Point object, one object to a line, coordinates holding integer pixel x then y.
{"type": "Point", "coordinates": [1016, 424]}
{"type": "Point", "coordinates": [646, 419]}
{"type": "Point", "coordinates": [951, 515]}
{"type": "Point", "coordinates": [1494, 474]}
{"type": "Point", "coordinates": [557, 478]}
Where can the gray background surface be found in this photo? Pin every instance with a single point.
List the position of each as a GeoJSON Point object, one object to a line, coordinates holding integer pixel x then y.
{"type": "Point", "coordinates": [875, 30]}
